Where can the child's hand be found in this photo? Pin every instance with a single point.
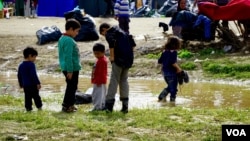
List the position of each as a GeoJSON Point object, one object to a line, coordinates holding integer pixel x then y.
{"type": "Point", "coordinates": [69, 75]}
{"type": "Point", "coordinates": [38, 86]}
{"type": "Point", "coordinates": [111, 59]}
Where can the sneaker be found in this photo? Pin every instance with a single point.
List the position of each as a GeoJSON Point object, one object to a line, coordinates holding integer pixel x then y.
{"type": "Point", "coordinates": [28, 110]}
{"type": "Point", "coordinates": [75, 108]}
{"type": "Point", "coordinates": [162, 99]}
{"type": "Point", "coordinates": [69, 109]}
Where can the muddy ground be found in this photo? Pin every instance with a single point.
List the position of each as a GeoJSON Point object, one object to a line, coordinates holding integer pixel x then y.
{"type": "Point", "coordinates": [16, 33]}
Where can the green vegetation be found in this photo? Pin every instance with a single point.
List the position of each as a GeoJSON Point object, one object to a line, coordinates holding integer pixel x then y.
{"type": "Point", "coordinates": [185, 54]}
{"type": "Point", "coordinates": [188, 65]}
{"type": "Point", "coordinates": [153, 56]}
{"type": "Point", "coordinates": [227, 68]}
{"type": "Point", "coordinates": [213, 62]}
{"type": "Point", "coordinates": [211, 52]}
{"type": "Point", "coordinates": [169, 123]}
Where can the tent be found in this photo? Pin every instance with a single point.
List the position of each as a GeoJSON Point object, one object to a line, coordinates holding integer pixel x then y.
{"type": "Point", "coordinates": [234, 10]}
{"type": "Point", "coordinates": [55, 8]}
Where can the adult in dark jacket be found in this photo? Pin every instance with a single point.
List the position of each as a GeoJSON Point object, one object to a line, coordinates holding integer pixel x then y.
{"type": "Point", "coordinates": [121, 58]}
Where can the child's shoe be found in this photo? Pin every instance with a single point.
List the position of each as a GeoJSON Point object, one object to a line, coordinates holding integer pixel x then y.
{"type": "Point", "coordinates": [69, 109]}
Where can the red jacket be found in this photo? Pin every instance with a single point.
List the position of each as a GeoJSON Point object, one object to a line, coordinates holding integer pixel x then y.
{"type": "Point", "coordinates": [100, 71]}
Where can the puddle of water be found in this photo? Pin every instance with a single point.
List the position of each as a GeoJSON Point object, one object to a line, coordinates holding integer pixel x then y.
{"type": "Point", "coordinates": [143, 92]}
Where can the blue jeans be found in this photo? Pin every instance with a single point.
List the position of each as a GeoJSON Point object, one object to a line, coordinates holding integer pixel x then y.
{"type": "Point", "coordinates": [172, 83]}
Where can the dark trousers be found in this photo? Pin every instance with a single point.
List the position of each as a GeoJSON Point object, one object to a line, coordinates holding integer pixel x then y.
{"type": "Point", "coordinates": [171, 80]}
{"type": "Point", "coordinates": [31, 92]}
{"type": "Point", "coordinates": [70, 92]}
{"type": "Point", "coordinates": [124, 23]}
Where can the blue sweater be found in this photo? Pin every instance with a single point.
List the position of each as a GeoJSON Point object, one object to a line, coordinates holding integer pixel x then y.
{"type": "Point", "coordinates": [27, 75]}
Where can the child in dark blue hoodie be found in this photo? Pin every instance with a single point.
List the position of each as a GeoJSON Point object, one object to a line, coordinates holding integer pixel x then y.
{"type": "Point", "coordinates": [28, 79]}
{"type": "Point", "coordinates": [170, 68]}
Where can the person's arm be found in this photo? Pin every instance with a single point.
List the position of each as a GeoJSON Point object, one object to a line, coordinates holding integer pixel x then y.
{"type": "Point", "coordinates": [178, 68]}
{"type": "Point", "coordinates": [69, 58]}
{"type": "Point", "coordinates": [112, 54]}
{"type": "Point", "coordinates": [19, 77]}
{"type": "Point", "coordinates": [34, 76]}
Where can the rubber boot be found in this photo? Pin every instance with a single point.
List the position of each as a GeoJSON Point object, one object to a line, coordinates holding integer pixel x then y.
{"type": "Point", "coordinates": [124, 105]}
{"type": "Point", "coordinates": [109, 104]}
{"type": "Point", "coordinates": [163, 94]}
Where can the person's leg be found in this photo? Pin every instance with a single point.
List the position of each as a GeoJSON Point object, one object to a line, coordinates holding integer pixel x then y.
{"type": "Point", "coordinates": [124, 90]}
{"type": "Point", "coordinates": [69, 97]}
{"type": "Point", "coordinates": [37, 98]}
{"type": "Point", "coordinates": [172, 86]}
{"type": "Point", "coordinates": [97, 96]}
{"type": "Point", "coordinates": [112, 88]}
{"type": "Point", "coordinates": [164, 92]}
{"type": "Point", "coordinates": [27, 98]}
{"type": "Point", "coordinates": [27, 8]}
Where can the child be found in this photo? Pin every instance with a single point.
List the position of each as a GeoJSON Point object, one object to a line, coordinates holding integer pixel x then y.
{"type": "Point", "coordinates": [170, 68]}
{"type": "Point", "coordinates": [99, 77]}
{"type": "Point", "coordinates": [28, 79]}
{"type": "Point", "coordinates": [69, 59]}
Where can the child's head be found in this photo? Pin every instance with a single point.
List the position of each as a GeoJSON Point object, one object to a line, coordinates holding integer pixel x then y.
{"type": "Point", "coordinates": [99, 50]}
{"type": "Point", "coordinates": [103, 28]}
{"type": "Point", "coordinates": [30, 54]}
{"type": "Point", "coordinates": [173, 43]}
{"type": "Point", "coordinates": [72, 27]}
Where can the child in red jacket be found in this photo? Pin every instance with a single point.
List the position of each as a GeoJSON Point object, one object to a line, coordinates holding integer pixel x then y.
{"type": "Point", "coordinates": [99, 77]}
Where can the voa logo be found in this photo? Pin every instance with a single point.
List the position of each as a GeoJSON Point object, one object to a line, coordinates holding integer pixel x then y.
{"type": "Point", "coordinates": [236, 132]}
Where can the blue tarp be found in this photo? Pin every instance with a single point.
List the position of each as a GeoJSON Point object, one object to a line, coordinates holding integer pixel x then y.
{"type": "Point", "coordinates": [55, 8]}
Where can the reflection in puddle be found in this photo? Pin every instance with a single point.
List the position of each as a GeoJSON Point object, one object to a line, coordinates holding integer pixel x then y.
{"type": "Point", "coordinates": [143, 92]}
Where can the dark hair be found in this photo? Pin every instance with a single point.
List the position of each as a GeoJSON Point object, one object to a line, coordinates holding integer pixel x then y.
{"type": "Point", "coordinates": [99, 47]}
{"type": "Point", "coordinates": [104, 26]}
{"type": "Point", "coordinates": [173, 43]}
{"type": "Point", "coordinates": [72, 23]}
{"type": "Point", "coordinates": [29, 51]}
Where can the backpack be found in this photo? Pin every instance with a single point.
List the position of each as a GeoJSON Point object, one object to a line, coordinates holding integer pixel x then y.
{"type": "Point", "coordinates": [124, 56]}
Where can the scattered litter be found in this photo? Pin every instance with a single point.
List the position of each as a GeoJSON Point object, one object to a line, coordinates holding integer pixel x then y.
{"type": "Point", "coordinates": [21, 137]}
{"type": "Point", "coordinates": [227, 48]}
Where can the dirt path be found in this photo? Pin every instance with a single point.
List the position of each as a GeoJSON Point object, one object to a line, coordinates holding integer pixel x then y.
{"type": "Point", "coordinates": [28, 27]}
{"type": "Point", "coordinates": [16, 33]}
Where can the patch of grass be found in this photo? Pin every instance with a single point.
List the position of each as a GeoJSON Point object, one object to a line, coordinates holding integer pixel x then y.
{"type": "Point", "coordinates": [169, 123]}
{"type": "Point", "coordinates": [10, 100]}
{"type": "Point", "coordinates": [153, 56]}
{"type": "Point", "coordinates": [227, 69]}
{"type": "Point", "coordinates": [185, 54]}
{"type": "Point", "coordinates": [188, 65]}
{"type": "Point", "coordinates": [208, 52]}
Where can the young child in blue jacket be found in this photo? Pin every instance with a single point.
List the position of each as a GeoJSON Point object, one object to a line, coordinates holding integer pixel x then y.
{"type": "Point", "coordinates": [28, 79]}
{"type": "Point", "coordinates": [170, 68]}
